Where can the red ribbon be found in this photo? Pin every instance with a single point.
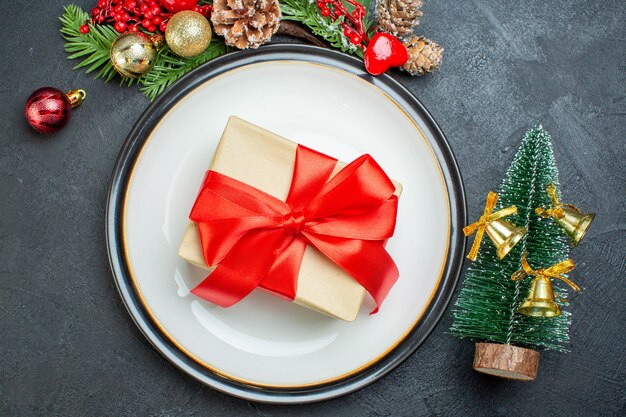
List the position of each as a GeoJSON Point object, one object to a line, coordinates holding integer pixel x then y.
{"type": "Point", "coordinates": [258, 240]}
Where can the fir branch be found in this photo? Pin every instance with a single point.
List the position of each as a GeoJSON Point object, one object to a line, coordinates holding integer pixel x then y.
{"type": "Point", "coordinates": [93, 47]}
{"type": "Point", "coordinates": [169, 67]}
{"type": "Point", "coordinates": [307, 13]}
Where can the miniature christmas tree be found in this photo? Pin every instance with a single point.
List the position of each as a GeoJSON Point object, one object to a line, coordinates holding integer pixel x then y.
{"type": "Point", "coordinates": [487, 307]}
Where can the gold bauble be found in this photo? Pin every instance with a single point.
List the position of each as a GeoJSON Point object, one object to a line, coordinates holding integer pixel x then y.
{"type": "Point", "coordinates": [188, 33]}
{"type": "Point", "coordinates": [133, 54]}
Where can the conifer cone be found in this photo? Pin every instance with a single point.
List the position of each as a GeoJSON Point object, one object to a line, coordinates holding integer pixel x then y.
{"type": "Point", "coordinates": [246, 23]}
{"type": "Point", "coordinates": [424, 55]}
{"type": "Point", "coordinates": [398, 17]}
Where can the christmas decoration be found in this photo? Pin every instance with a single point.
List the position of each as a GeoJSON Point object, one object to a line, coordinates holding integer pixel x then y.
{"type": "Point", "coordinates": [383, 52]}
{"type": "Point", "coordinates": [568, 217]}
{"type": "Point", "coordinates": [338, 25]}
{"type": "Point", "coordinates": [133, 53]}
{"type": "Point", "coordinates": [503, 234]}
{"type": "Point", "coordinates": [344, 24]}
{"type": "Point", "coordinates": [398, 17]}
{"type": "Point", "coordinates": [540, 300]}
{"type": "Point", "coordinates": [353, 23]}
{"type": "Point", "coordinates": [331, 28]}
{"type": "Point", "coordinates": [176, 6]}
{"type": "Point", "coordinates": [94, 48]}
{"type": "Point", "coordinates": [487, 307]}
{"type": "Point", "coordinates": [246, 23]}
{"type": "Point", "coordinates": [48, 109]}
{"type": "Point", "coordinates": [188, 34]}
{"type": "Point", "coordinates": [424, 55]}
{"type": "Point", "coordinates": [146, 15]}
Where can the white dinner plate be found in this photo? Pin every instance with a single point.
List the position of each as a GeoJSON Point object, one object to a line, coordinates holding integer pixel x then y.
{"type": "Point", "coordinates": [265, 348]}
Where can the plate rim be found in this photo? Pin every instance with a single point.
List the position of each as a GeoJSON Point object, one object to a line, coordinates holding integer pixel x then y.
{"type": "Point", "coordinates": [122, 171]}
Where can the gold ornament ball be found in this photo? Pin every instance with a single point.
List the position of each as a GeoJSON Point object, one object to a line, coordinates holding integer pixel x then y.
{"type": "Point", "coordinates": [188, 33]}
{"type": "Point", "coordinates": [133, 54]}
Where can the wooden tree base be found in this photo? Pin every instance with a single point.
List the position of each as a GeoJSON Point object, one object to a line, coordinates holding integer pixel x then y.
{"type": "Point", "coordinates": [506, 361]}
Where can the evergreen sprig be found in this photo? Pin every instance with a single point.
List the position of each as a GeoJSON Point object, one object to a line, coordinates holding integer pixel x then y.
{"type": "Point", "coordinates": [307, 13]}
{"type": "Point", "coordinates": [368, 21]}
{"type": "Point", "coordinates": [94, 48]}
{"type": "Point", "coordinates": [487, 306]}
{"type": "Point", "coordinates": [169, 67]}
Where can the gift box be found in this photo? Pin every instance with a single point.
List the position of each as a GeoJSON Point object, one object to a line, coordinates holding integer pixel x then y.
{"type": "Point", "coordinates": [250, 163]}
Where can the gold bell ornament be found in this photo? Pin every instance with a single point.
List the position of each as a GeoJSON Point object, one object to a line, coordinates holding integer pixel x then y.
{"type": "Point", "coordinates": [503, 234]}
{"type": "Point", "coordinates": [540, 301]}
{"type": "Point", "coordinates": [133, 53]}
{"type": "Point", "coordinates": [573, 221]}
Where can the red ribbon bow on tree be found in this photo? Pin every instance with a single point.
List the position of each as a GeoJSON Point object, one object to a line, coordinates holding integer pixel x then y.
{"type": "Point", "coordinates": [256, 238]}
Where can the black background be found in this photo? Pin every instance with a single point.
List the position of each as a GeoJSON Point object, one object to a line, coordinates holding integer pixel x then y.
{"type": "Point", "coordinates": [68, 346]}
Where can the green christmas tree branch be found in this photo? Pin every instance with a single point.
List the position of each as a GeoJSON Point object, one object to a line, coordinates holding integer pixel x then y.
{"type": "Point", "coordinates": [308, 14]}
{"type": "Point", "coordinates": [93, 49]}
{"type": "Point", "coordinates": [486, 308]}
{"type": "Point", "coordinates": [169, 67]}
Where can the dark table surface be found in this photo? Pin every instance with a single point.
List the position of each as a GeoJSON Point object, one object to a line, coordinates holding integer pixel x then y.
{"type": "Point", "coordinates": [67, 344]}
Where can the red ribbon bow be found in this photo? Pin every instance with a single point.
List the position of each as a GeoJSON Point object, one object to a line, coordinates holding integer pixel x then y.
{"type": "Point", "coordinates": [256, 239]}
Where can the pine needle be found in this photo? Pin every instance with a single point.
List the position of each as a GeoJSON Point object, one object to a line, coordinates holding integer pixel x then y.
{"type": "Point", "coordinates": [93, 47]}
{"type": "Point", "coordinates": [169, 67]}
{"type": "Point", "coordinates": [307, 13]}
{"type": "Point", "coordinates": [93, 50]}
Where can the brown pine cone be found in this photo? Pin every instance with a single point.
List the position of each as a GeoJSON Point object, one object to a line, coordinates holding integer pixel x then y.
{"type": "Point", "coordinates": [424, 55]}
{"type": "Point", "coordinates": [246, 23]}
{"type": "Point", "coordinates": [398, 17]}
